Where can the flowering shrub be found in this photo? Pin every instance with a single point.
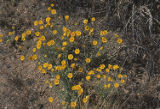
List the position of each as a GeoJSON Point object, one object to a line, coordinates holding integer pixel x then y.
{"type": "Point", "coordinates": [75, 53]}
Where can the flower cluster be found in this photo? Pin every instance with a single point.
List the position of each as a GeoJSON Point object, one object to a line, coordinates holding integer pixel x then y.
{"type": "Point", "coordinates": [75, 53]}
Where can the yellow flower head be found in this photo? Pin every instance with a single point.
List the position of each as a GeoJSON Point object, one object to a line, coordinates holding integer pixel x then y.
{"type": "Point", "coordinates": [49, 66]}
{"type": "Point", "coordinates": [64, 43]}
{"type": "Point", "coordinates": [88, 78]}
{"type": "Point", "coordinates": [35, 23]}
{"type": "Point", "coordinates": [71, 39]}
{"type": "Point", "coordinates": [63, 62]}
{"type": "Point", "coordinates": [86, 28]}
{"type": "Point", "coordinates": [16, 38]}
{"type": "Point", "coordinates": [48, 19]}
{"type": "Point", "coordinates": [93, 19]}
{"type": "Point", "coordinates": [67, 17]}
{"type": "Point", "coordinates": [54, 32]}
{"type": "Point", "coordinates": [37, 33]}
{"type": "Point", "coordinates": [22, 58]}
{"type": "Point", "coordinates": [78, 33]}
{"type": "Point", "coordinates": [77, 51]}
{"type": "Point", "coordinates": [104, 40]}
{"type": "Point", "coordinates": [85, 21]}
{"type": "Point", "coordinates": [73, 65]}
{"type": "Point", "coordinates": [56, 82]}
{"type": "Point", "coordinates": [119, 40]}
{"type": "Point", "coordinates": [70, 75]}
{"type": "Point", "coordinates": [70, 56]}
{"type": "Point", "coordinates": [58, 76]}
{"type": "Point", "coordinates": [94, 42]}
{"type": "Point", "coordinates": [73, 104]}
{"type": "Point", "coordinates": [50, 99]}
{"type": "Point", "coordinates": [115, 67]}
{"type": "Point", "coordinates": [28, 32]}
{"type": "Point", "coordinates": [116, 85]}
{"type": "Point", "coordinates": [53, 11]}
{"type": "Point", "coordinates": [88, 60]}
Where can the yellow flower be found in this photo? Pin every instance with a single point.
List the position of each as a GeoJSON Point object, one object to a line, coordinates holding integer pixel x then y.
{"type": "Point", "coordinates": [119, 40]}
{"type": "Point", "coordinates": [98, 54]}
{"type": "Point", "coordinates": [93, 19]}
{"type": "Point", "coordinates": [88, 60]}
{"type": "Point", "coordinates": [80, 69]}
{"type": "Point", "coordinates": [105, 86]}
{"type": "Point", "coordinates": [80, 92]}
{"type": "Point", "coordinates": [58, 76]}
{"type": "Point", "coordinates": [52, 70]}
{"type": "Point", "coordinates": [37, 33]}
{"type": "Point", "coordinates": [64, 29]}
{"type": "Point", "coordinates": [43, 71]}
{"type": "Point", "coordinates": [107, 70]}
{"type": "Point", "coordinates": [52, 5]}
{"type": "Point", "coordinates": [102, 66]}
{"type": "Point", "coordinates": [56, 82]}
{"type": "Point", "coordinates": [53, 11]}
{"type": "Point", "coordinates": [75, 59]}
{"type": "Point", "coordinates": [28, 32]}
{"type": "Point", "coordinates": [76, 87]}
{"type": "Point", "coordinates": [116, 85]}
{"type": "Point", "coordinates": [109, 79]}
{"type": "Point", "coordinates": [109, 85]}
{"type": "Point", "coordinates": [73, 104]}
{"type": "Point", "coordinates": [94, 42]}
{"type": "Point", "coordinates": [88, 78]}
{"type": "Point", "coordinates": [86, 28]}
{"type": "Point", "coordinates": [39, 67]}
{"type": "Point", "coordinates": [49, 66]}
{"type": "Point", "coordinates": [42, 38]}
{"type": "Point", "coordinates": [35, 23]}
{"type": "Point", "coordinates": [105, 32]}
{"type": "Point", "coordinates": [98, 75]}
{"type": "Point", "coordinates": [67, 17]}
{"type": "Point", "coordinates": [22, 58]}
{"type": "Point", "coordinates": [64, 43]}
{"type": "Point", "coordinates": [91, 72]}
{"type": "Point", "coordinates": [50, 99]}
{"type": "Point", "coordinates": [63, 62]}
{"type": "Point", "coordinates": [73, 65]}
{"type": "Point", "coordinates": [41, 27]}
{"type": "Point", "coordinates": [49, 8]}
{"type": "Point", "coordinates": [122, 81]}
{"type": "Point", "coordinates": [34, 49]}
{"type": "Point", "coordinates": [40, 22]}
{"type": "Point", "coordinates": [104, 76]}
{"type": "Point", "coordinates": [59, 56]}
{"type": "Point", "coordinates": [71, 39]}
{"type": "Point", "coordinates": [85, 21]}
{"type": "Point", "coordinates": [125, 76]}
{"type": "Point", "coordinates": [78, 33]}
{"type": "Point", "coordinates": [16, 38]}
{"type": "Point", "coordinates": [54, 32]}
{"type": "Point", "coordinates": [45, 65]}
{"type": "Point", "coordinates": [109, 66]}
{"type": "Point", "coordinates": [73, 34]}
{"type": "Point", "coordinates": [104, 40]}
{"type": "Point", "coordinates": [48, 19]}
{"type": "Point", "coordinates": [34, 57]}
{"type": "Point", "coordinates": [85, 100]}
{"type": "Point", "coordinates": [77, 51]}
{"type": "Point", "coordinates": [115, 67]}
{"type": "Point", "coordinates": [70, 75]}
{"type": "Point", "coordinates": [70, 56]}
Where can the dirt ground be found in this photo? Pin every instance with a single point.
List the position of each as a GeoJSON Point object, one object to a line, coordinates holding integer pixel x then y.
{"type": "Point", "coordinates": [21, 85]}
